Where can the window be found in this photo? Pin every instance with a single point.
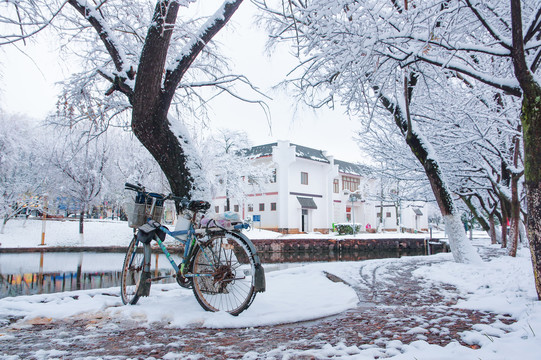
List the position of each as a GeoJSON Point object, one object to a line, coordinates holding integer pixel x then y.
{"type": "Point", "coordinates": [388, 214]}
{"type": "Point", "coordinates": [216, 209]}
{"type": "Point", "coordinates": [273, 206]}
{"type": "Point", "coordinates": [336, 186]}
{"type": "Point", "coordinates": [304, 178]}
{"type": "Point", "coordinates": [236, 208]}
{"type": "Point", "coordinates": [250, 207]}
{"type": "Point", "coordinates": [350, 183]}
{"type": "Point", "coordinates": [261, 207]}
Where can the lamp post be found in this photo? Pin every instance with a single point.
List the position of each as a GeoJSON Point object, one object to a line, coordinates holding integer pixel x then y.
{"type": "Point", "coordinates": [44, 217]}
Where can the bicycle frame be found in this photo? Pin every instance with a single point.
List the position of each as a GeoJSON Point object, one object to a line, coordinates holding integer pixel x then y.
{"type": "Point", "coordinates": [189, 246]}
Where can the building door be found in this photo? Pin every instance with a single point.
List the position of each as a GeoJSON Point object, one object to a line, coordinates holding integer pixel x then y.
{"type": "Point", "coordinates": [304, 220]}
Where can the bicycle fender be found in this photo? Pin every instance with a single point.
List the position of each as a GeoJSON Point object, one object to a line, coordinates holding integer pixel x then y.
{"type": "Point", "coordinates": [259, 283]}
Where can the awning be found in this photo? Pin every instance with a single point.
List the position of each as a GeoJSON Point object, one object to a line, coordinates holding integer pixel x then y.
{"type": "Point", "coordinates": [307, 203]}
{"type": "Point", "coordinates": [417, 211]}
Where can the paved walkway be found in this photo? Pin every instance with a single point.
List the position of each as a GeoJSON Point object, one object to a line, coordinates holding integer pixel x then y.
{"type": "Point", "coordinates": [395, 306]}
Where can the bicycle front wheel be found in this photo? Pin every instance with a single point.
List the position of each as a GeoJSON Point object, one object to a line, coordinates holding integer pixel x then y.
{"type": "Point", "coordinates": [223, 274]}
{"type": "Point", "coordinates": [131, 272]}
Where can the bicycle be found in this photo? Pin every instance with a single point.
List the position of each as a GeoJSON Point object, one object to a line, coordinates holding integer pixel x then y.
{"type": "Point", "coordinates": [219, 263]}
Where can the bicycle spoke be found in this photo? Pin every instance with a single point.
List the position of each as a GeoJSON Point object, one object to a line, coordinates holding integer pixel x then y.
{"type": "Point", "coordinates": [230, 288]}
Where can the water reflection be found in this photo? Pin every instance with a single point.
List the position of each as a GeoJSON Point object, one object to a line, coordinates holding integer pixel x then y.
{"type": "Point", "coordinates": [44, 273]}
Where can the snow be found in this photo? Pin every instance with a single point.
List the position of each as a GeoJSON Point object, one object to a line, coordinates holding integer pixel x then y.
{"type": "Point", "coordinates": [19, 233]}
{"type": "Point", "coordinates": [503, 285]}
{"type": "Point", "coordinates": [290, 288]}
{"type": "Point", "coordinates": [461, 248]}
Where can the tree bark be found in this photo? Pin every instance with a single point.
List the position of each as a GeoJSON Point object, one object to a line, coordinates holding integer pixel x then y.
{"type": "Point", "coordinates": [149, 117]}
{"type": "Point", "coordinates": [531, 121]}
{"type": "Point", "coordinates": [82, 221]}
{"type": "Point", "coordinates": [515, 204]}
{"type": "Point", "coordinates": [515, 218]}
{"type": "Point", "coordinates": [531, 126]}
{"type": "Point", "coordinates": [492, 230]}
{"type": "Point", "coordinates": [504, 227]}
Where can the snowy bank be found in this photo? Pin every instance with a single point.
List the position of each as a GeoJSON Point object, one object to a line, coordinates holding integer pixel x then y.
{"type": "Point", "coordinates": [297, 294]}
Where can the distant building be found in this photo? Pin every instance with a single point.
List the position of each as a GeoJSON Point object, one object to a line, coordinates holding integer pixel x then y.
{"type": "Point", "coordinates": [310, 191]}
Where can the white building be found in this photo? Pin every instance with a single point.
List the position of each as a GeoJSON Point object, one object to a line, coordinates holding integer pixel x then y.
{"type": "Point", "coordinates": [311, 191]}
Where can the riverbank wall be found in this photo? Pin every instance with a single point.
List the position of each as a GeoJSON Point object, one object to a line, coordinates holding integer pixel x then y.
{"type": "Point", "coordinates": [304, 245]}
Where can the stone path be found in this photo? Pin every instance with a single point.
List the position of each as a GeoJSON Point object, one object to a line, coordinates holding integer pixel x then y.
{"type": "Point", "coordinates": [395, 306]}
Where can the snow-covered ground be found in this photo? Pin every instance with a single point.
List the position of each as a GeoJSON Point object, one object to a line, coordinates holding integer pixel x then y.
{"type": "Point", "coordinates": [503, 285]}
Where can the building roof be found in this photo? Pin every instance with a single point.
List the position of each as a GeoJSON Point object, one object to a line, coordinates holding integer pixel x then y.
{"type": "Point", "coordinates": [300, 151]}
{"type": "Point", "coordinates": [351, 168]}
{"type": "Point", "coordinates": [310, 154]}
{"type": "Point", "coordinates": [304, 152]}
{"type": "Point", "coordinates": [259, 151]}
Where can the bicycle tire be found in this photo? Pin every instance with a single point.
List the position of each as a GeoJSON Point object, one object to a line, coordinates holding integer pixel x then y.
{"type": "Point", "coordinates": [132, 269]}
{"type": "Point", "coordinates": [224, 274]}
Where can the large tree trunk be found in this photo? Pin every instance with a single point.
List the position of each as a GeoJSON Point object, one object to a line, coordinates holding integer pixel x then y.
{"type": "Point", "coordinates": [82, 221]}
{"type": "Point", "coordinates": [531, 121]}
{"type": "Point", "coordinates": [515, 204]}
{"type": "Point", "coordinates": [492, 230]}
{"type": "Point", "coordinates": [461, 248]}
{"type": "Point", "coordinates": [505, 219]}
{"type": "Point", "coordinates": [149, 115]}
{"type": "Point", "coordinates": [531, 125]}
{"type": "Point", "coordinates": [154, 93]}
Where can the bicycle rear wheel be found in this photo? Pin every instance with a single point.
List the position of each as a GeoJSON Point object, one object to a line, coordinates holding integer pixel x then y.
{"type": "Point", "coordinates": [223, 274]}
{"type": "Point", "coordinates": [132, 269]}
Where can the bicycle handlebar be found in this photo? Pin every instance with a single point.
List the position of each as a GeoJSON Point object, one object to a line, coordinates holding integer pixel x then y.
{"type": "Point", "coordinates": [139, 188]}
{"type": "Point", "coordinates": [129, 186]}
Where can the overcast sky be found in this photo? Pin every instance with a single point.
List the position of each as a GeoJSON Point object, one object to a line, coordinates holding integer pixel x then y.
{"type": "Point", "coordinates": [28, 88]}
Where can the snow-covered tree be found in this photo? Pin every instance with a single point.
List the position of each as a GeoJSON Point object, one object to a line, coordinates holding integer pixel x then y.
{"type": "Point", "coordinates": [475, 129]}
{"type": "Point", "coordinates": [336, 44]}
{"type": "Point", "coordinates": [149, 61]}
{"type": "Point", "coordinates": [81, 166]}
{"type": "Point", "coordinates": [21, 165]}
{"type": "Point", "coordinates": [228, 171]}
{"type": "Point", "coordinates": [491, 42]}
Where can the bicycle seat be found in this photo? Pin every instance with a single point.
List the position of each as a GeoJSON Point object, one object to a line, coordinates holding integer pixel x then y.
{"type": "Point", "coordinates": [199, 205]}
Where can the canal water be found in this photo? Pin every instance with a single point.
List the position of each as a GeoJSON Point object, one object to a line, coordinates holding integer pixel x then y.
{"type": "Point", "coordinates": [50, 272]}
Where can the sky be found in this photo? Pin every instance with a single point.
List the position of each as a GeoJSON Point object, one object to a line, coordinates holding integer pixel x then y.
{"type": "Point", "coordinates": [28, 87]}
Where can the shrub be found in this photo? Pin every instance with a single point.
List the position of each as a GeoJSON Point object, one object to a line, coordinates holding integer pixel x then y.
{"type": "Point", "coordinates": [347, 229]}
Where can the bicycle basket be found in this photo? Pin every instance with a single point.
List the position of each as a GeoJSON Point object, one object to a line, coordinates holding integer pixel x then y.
{"type": "Point", "coordinates": [139, 210]}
